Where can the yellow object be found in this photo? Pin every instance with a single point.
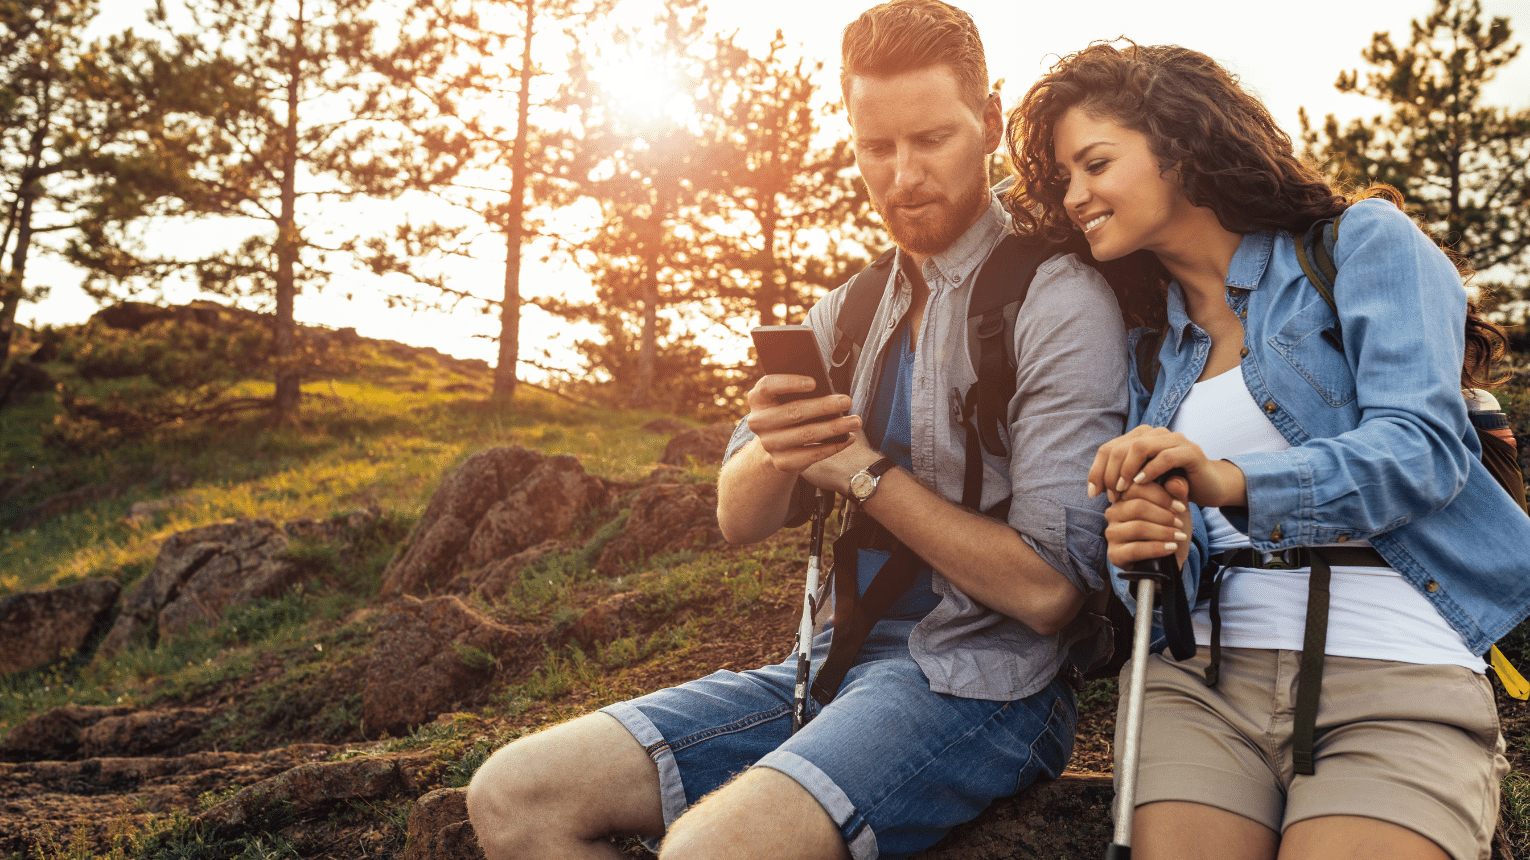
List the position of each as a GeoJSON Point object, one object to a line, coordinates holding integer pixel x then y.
{"type": "Point", "coordinates": [1513, 682]}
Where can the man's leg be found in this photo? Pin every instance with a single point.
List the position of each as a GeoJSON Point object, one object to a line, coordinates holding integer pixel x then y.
{"type": "Point", "coordinates": [561, 792]}
{"type": "Point", "coordinates": [762, 814]}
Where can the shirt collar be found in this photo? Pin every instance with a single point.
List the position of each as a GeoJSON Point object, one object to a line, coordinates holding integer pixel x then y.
{"type": "Point", "coordinates": [957, 263]}
{"type": "Point", "coordinates": [1248, 265]}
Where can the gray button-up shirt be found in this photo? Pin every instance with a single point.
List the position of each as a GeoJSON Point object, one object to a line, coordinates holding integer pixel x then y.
{"type": "Point", "coordinates": [1070, 396]}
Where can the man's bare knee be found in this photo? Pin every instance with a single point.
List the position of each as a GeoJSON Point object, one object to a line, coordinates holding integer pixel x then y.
{"type": "Point", "coordinates": [561, 791]}
{"type": "Point", "coordinates": [761, 814]}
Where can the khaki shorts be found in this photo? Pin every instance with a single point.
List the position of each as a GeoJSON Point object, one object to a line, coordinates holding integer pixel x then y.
{"type": "Point", "coordinates": [1414, 745]}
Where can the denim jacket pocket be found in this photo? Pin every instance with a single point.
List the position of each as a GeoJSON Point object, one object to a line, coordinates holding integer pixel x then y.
{"type": "Point", "coordinates": [1309, 342]}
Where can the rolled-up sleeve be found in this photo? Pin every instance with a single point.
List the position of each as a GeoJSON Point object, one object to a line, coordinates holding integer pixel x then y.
{"type": "Point", "coordinates": [1070, 397]}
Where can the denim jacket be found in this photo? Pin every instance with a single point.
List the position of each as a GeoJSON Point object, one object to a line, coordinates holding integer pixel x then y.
{"type": "Point", "coordinates": [1381, 446]}
{"type": "Point", "coordinates": [1070, 397]}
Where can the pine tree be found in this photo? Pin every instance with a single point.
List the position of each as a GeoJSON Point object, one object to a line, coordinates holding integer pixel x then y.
{"type": "Point", "coordinates": [1460, 164]}
{"type": "Point", "coordinates": [297, 119]}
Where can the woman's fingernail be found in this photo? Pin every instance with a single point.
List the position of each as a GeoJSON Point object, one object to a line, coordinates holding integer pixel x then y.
{"type": "Point", "coordinates": [1180, 536]}
{"type": "Point", "coordinates": [1141, 476]}
{"type": "Point", "coordinates": [1171, 547]}
{"type": "Point", "coordinates": [1120, 485]}
{"type": "Point", "coordinates": [1178, 506]}
{"type": "Point", "coordinates": [1093, 490]}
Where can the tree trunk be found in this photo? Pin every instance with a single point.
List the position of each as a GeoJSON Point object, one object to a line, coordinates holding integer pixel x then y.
{"type": "Point", "coordinates": [515, 230]}
{"type": "Point", "coordinates": [284, 326]}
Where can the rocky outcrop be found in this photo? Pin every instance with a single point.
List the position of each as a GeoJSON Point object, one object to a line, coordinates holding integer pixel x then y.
{"type": "Point", "coordinates": [496, 504]}
{"type": "Point", "coordinates": [543, 505]}
{"type": "Point", "coordinates": [703, 446]}
{"type": "Point", "coordinates": [431, 654]}
{"type": "Point", "coordinates": [53, 801]}
{"type": "Point", "coordinates": [199, 574]}
{"type": "Point", "coordinates": [664, 518]}
{"type": "Point", "coordinates": [81, 731]}
{"type": "Point", "coordinates": [39, 627]}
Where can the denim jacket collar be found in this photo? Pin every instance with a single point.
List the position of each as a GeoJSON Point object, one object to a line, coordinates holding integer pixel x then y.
{"type": "Point", "coordinates": [1248, 266]}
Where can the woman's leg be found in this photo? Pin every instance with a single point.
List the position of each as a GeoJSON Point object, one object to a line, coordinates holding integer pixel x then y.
{"type": "Point", "coordinates": [1178, 830]}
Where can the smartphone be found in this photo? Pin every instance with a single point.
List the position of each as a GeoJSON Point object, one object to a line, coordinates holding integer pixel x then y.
{"type": "Point", "coordinates": [794, 349]}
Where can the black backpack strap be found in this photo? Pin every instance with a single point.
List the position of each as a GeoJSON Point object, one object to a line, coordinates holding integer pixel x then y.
{"type": "Point", "coordinates": [1315, 254]}
{"type": "Point", "coordinates": [855, 614]}
{"type": "Point", "coordinates": [863, 294]}
{"type": "Point", "coordinates": [1002, 286]}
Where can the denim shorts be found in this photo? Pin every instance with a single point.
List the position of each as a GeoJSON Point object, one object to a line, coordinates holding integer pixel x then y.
{"type": "Point", "coordinates": [895, 765]}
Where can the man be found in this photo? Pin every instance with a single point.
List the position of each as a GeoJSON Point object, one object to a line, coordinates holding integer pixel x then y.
{"type": "Point", "coordinates": [957, 696]}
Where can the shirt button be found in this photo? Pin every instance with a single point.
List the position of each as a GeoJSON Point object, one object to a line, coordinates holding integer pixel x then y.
{"type": "Point", "coordinates": [1343, 537]}
{"type": "Point", "coordinates": [1235, 292]}
{"type": "Point", "coordinates": [1270, 407]}
{"type": "Point", "coordinates": [1243, 314]}
{"type": "Point", "coordinates": [1243, 353]}
{"type": "Point", "coordinates": [1275, 535]}
{"type": "Point", "coordinates": [1431, 586]}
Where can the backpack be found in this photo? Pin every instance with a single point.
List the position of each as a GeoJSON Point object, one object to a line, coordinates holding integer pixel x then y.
{"type": "Point", "coordinates": [1002, 285]}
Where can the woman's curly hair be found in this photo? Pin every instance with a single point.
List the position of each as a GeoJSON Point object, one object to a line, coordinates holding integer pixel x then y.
{"type": "Point", "coordinates": [1225, 148]}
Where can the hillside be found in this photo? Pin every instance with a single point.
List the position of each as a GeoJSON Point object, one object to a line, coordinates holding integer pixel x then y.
{"type": "Point", "coordinates": [300, 641]}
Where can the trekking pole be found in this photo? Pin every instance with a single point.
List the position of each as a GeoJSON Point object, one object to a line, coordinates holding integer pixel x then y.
{"type": "Point", "coordinates": [809, 610]}
{"type": "Point", "coordinates": [1147, 582]}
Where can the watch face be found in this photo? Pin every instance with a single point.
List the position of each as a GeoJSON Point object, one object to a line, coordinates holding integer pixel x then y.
{"type": "Point", "coordinates": [861, 485]}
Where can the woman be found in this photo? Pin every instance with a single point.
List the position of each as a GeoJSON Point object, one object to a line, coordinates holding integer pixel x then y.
{"type": "Point", "coordinates": [1345, 436]}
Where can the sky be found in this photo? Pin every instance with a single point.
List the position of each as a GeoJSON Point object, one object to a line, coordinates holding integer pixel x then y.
{"type": "Point", "coordinates": [1288, 53]}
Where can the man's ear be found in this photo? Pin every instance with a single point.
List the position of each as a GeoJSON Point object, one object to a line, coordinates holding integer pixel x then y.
{"type": "Point", "coordinates": [993, 122]}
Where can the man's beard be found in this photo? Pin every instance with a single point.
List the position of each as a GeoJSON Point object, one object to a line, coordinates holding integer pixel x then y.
{"type": "Point", "coordinates": [928, 239]}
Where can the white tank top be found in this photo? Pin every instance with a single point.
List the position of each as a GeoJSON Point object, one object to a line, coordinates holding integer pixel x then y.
{"type": "Point", "coordinates": [1373, 612]}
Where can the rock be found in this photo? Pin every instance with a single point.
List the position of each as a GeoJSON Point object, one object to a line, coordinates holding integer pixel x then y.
{"type": "Point", "coordinates": [304, 790]}
{"type": "Point", "coordinates": [431, 654]}
{"type": "Point", "coordinates": [664, 518]}
{"type": "Point", "coordinates": [493, 582]}
{"type": "Point", "coordinates": [704, 446]}
{"type": "Point", "coordinates": [429, 557]}
{"type": "Point", "coordinates": [546, 503]}
{"type": "Point", "coordinates": [143, 733]}
{"type": "Point", "coordinates": [144, 512]}
{"type": "Point", "coordinates": [609, 620]}
{"type": "Point", "coordinates": [439, 829]}
{"type": "Point", "coordinates": [199, 574]}
{"type": "Point", "coordinates": [38, 627]}
{"type": "Point", "coordinates": [54, 735]}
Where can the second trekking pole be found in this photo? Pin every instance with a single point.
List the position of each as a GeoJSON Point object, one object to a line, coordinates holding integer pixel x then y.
{"type": "Point", "coordinates": [809, 610]}
{"type": "Point", "coordinates": [1164, 573]}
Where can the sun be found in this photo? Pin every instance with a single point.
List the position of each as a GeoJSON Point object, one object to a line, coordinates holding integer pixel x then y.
{"type": "Point", "coordinates": [648, 88]}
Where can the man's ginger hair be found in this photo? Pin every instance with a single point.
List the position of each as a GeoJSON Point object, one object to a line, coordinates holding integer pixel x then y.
{"type": "Point", "coordinates": [909, 35]}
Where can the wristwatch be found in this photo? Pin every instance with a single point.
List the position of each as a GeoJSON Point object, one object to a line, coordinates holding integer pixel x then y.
{"type": "Point", "coordinates": [864, 482]}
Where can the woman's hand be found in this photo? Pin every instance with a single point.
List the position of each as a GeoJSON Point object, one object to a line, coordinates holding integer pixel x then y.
{"type": "Point", "coordinates": [790, 447]}
{"type": "Point", "coordinates": [1144, 453]}
{"type": "Point", "coordinates": [1148, 521]}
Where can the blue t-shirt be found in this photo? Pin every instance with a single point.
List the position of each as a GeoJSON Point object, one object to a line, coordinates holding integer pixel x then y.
{"type": "Point", "coordinates": [890, 432]}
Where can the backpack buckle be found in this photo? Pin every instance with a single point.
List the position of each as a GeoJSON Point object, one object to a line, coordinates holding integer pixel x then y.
{"type": "Point", "coordinates": [1285, 559]}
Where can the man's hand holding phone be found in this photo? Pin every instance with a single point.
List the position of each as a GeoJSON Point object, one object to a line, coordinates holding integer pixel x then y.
{"type": "Point", "coordinates": [793, 410]}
